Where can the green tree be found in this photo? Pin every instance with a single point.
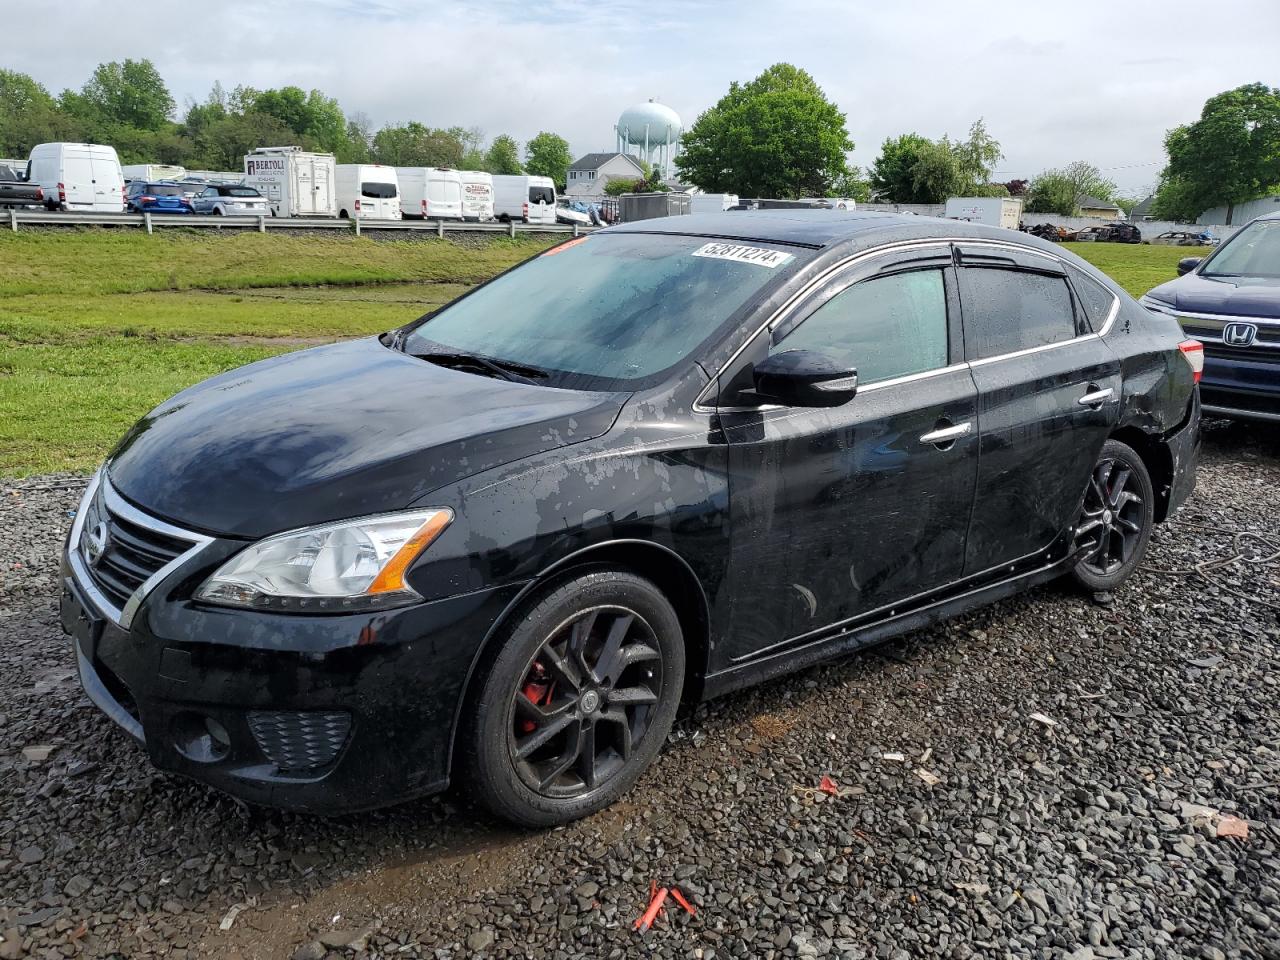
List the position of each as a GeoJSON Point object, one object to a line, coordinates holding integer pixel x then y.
{"type": "Point", "coordinates": [1230, 155]}
{"type": "Point", "coordinates": [28, 115]}
{"type": "Point", "coordinates": [1059, 190]}
{"type": "Point", "coordinates": [915, 169]}
{"type": "Point", "coordinates": [313, 116]}
{"type": "Point", "coordinates": [547, 155]}
{"type": "Point", "coordinates": [503, 156]}
{"type": "Point", "coordinates": [416, 145]}
{"type": "Point", "coordinates": [893, 173]}
{"type": "Point", "coordinates": [777, 135]}
{"type": "Point", "coordinates": [130, 94]}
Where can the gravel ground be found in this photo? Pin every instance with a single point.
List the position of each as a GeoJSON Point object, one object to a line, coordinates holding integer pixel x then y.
{"type": "Point", "coordinates": [1047, 777]}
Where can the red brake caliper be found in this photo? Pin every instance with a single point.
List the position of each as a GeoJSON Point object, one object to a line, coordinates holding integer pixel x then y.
{"type": "Point", "coordinates": [537, 689]}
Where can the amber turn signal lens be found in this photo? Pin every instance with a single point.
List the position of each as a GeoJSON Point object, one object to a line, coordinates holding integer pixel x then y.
{"type": "Point", "coordinates": [392, 575]}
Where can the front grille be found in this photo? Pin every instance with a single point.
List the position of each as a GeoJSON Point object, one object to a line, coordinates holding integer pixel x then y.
{"type": "Point", "coordinates": [121, 552]}
{"type": "Point", "coordinates": [300, 741]}
{"type": "Point", "coordinates": [1218, 351]}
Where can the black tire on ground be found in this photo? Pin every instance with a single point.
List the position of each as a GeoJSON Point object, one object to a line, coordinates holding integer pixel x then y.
{"type": "Point", "coordinates": [1116, 519]}
{"type": "Point", "coordinates": [576, 701]}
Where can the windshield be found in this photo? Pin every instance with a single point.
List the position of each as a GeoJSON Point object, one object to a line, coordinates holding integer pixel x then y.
{"type": "Point", "coordinates": [607, 311]}
{"type": "Point", "coordinates": [1253, 252]}
{"type": "Point", "coordinates": [377, 191]}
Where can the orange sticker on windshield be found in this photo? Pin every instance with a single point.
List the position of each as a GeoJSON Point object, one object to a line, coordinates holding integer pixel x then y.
{"type": "Point", "coordinates": [564, 246]}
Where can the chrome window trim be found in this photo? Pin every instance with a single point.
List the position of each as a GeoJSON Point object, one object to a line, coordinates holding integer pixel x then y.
{"type": "Point", "coordinates": [701, 404]}
{"type": "Point", "coordinates": [117, 505]}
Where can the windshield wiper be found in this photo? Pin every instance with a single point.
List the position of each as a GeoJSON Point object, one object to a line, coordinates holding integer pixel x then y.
{"type": "Point", "coordinates": [502, 369]}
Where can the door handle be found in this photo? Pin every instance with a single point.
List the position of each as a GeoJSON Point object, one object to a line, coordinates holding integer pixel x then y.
{"type": "Point", "coordinates": [947, 434]}
{"type": "Point", "coordinates": [1095, 397]}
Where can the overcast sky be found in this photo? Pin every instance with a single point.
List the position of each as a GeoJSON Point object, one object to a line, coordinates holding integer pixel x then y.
{"type": "Point", "coordinates": [1089, 80]}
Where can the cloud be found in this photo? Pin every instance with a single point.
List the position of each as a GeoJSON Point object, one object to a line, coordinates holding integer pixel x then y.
{"type": "Point", "coordinates": [1101, 82]}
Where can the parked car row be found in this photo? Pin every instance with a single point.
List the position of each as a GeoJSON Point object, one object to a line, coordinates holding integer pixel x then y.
{"type": "Point", "coordinates": [1102, 233]}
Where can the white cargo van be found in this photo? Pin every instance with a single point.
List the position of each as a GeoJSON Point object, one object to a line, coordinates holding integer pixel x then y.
{"type": "Point", "coordinates": [80, 177]}
{"type": "Point", "coordinates": [477, 195]}
{"type": "Point", "coordinates": [151, 172]}
{"type": "Point", "coordinates": [430, 193]}
{"type": "Point", "coordinates": [296, 183]}
{"type": "Point", "coordinates": [712, 202]}
{"type": "Point", "coordinates": [524, 197]}
{"type": "Point", "coordinates": [367, 191]}
{"type": "Point", "coordinates": [993, 211]}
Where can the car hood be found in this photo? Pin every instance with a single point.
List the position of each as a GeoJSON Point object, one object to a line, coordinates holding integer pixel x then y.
{"type": "Point", "coordinates": [1232, 296]}
{"type": "Point", "coordinates": [340, 431]}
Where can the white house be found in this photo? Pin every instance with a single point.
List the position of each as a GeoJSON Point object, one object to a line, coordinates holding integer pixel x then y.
{"type": "Point", "coordinates": [589, 175]}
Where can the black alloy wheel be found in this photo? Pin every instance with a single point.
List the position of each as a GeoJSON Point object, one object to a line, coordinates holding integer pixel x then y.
{"type": "Point", "coordinates": [574, 700]}
{"type": "Point", "coordinates": [1116, 518]}
{"type": "Point", "coordinates": [587, 697]}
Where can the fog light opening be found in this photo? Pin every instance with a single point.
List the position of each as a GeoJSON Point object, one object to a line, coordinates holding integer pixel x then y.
{"type": "Point", "coordinates": [199, 738]}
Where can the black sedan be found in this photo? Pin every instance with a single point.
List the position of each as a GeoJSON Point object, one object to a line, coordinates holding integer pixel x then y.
{"type": "Point", "coordinates": [502, 545]}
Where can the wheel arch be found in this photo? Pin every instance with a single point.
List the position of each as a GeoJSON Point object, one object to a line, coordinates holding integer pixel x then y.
{"type": "Point", "coordinates": [669, 571]}
{"type": "Point", "coordinates": [1157, 459]}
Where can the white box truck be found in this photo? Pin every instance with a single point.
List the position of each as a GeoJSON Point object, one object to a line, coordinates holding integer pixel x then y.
{"type": "Point", "coordinates": [712, 202]}
{"type": "Point", "coordinates": [524, 197]}
{"type": "Point", "coordinates": [993, 211]}
{"type": "Point", "coordinates": [430, 193]}
{"type": "Point", "coordinates": [477, 195]}
{"type": "Point", "coordinates": [296, 183]}
{"type": "Point", "coordinates": [151, 172]}
{"type": "Point", "coordinates": [79, 177]}
{"type": "Point", "coordinates": [367, 191]}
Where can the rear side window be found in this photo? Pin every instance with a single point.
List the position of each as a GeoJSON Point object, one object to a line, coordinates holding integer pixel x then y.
{"type": "Point", "coordinates": [1095, 300]}
{"type": "Point", "coordinates": [1010, 310]}
{"type": "Point", "coordinates": [542, 195]}
{"type": "Point", "coordinates": [884, 328]}
{"type": "Point", "coordinates": [378, 191]}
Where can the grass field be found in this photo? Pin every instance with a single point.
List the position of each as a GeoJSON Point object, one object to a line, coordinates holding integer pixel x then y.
{"type": "Point", "coordinates": [96, 327]}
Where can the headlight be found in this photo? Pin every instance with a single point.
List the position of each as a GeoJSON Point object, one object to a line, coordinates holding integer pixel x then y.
{"type": "Point", "coordinates": [353, 565]}
{"type": "Point", "coordinates": [1159, 306]}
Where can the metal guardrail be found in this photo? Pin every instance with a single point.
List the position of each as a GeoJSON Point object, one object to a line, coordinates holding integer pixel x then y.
{"type": "Point", "coordinates": [151, 222]}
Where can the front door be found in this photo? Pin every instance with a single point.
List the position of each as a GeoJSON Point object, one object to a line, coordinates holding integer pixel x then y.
{"type": "Point", "coordinates": [837, 513]}
{"type": "Point", "coordinates": [1048, 397]}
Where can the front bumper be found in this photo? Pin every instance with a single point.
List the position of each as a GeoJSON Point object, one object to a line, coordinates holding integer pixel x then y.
{"type": "Point", "coordinates": [1242, 389]}
{"type": "Point", "coordinates": [322, 714]}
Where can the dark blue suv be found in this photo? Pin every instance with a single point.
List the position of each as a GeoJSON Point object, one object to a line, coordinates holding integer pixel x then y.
{"type": "Point", "coordinates": [1230, 302]}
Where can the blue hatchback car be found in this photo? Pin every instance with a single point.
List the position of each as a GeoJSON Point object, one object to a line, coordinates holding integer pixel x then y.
{"type": "Point", "coordinates": [1230, 302]}
{"type": "Point", "coordinates": [142, 196]}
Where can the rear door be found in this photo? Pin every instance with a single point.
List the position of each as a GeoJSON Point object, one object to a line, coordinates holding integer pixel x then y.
{"type": "Point", "coordinates": [77, 174]}
{"type": "Point", "coordinates": [304, 185]}
{"type": "Point", "coordinates": [1048, 397]}
{"type": "Point", "coordinates": [839, 513]}
{"type": "Point", "coordinates": [108, 183]}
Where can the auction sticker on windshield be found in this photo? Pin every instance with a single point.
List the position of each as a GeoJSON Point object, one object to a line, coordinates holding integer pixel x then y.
{"type": "Point", "coordinates": [743, 254]}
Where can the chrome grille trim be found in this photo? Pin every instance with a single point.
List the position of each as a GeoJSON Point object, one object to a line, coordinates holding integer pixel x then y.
{"type": "Point", "coordinates": [117, 506]}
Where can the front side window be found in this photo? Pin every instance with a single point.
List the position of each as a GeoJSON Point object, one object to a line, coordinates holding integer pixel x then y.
{"type": "Point", "coordinates": [1010, 310]}
{"type": "Point", "coordinates": [607, 311]}
{"type": "Point", "coordinates": [884, 328]}
{"type": "Point", "coordinates": [1253, 252]}
{"type": "Point", "coordinates": [378, 191]}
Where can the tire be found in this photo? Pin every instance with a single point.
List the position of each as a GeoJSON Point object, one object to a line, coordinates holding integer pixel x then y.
{"type": "Point", "coordinates": [1116, 519]}
{"type": "Point", "coordinates": [552, 691]}
{"type": "Point", "coordinates": [219, 212]}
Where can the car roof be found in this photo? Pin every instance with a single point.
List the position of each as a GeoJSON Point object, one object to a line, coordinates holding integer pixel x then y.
{"type": "Point", "coordinates": [822, 228]}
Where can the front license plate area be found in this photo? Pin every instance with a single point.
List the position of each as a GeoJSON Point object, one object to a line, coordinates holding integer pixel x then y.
{"type": "Point", "coordinates": [84, 626]}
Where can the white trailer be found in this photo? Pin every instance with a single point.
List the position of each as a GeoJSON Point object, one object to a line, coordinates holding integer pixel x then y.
{"type": "Point", "coordinates": [993, 211]}
{"type": "Point", "coordinates": [477, 195]}
{"type": "Point", "coordinates": [525, 197]}
{"type": "Point", "coordinates": [367, 191]}
{"type": "Point", "coordinates": [151, 172]}
{"type": "Point", "coordinates": [712, 202]}
{"type": "Point", "coordinates": [296, 183]}
{"type": "Point", "coordinates": [433, 193]}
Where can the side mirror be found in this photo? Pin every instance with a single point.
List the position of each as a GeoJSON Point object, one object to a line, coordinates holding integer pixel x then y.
{"type": "Point", "coordinates": [1187, 264]}
{"type": "Point", "coordinates": [803, 378]}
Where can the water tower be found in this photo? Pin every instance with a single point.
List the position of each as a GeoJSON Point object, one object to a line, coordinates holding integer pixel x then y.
{"type": "Point", "coordinates": [650, 131]}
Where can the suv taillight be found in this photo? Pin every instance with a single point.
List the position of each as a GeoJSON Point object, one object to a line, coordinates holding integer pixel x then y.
{"type": "Point", "coordinates": [39, 194]}
{"type": "Point", "coordinates": [425, 208]}
{"type": "Point", "coordinates": [525, 210]}
{"type": "Point", "coordinates": [1193, 350]}
{"type": "Point", "coordinates": [357, 204]}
